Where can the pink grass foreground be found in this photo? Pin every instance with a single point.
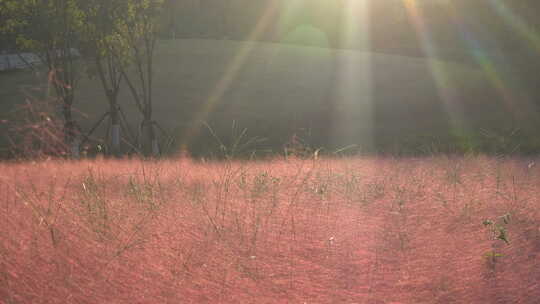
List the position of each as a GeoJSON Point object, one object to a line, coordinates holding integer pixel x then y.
{"type": "Point", "coordinates": [290, 231]}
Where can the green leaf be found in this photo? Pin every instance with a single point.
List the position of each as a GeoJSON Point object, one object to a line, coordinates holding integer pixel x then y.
{"type": "Point", "coordinates": [503, 236]}
{"type": "Point", "coordinates": [487, 223]}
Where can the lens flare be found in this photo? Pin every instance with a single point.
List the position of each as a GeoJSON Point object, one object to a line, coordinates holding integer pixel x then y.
{"type": "Point", "coordinates": [442, 80]}
{"type": "Point", "coordinates": [352, 121]}
{"type": "Point", "coordinates": [485, 60]}
{"type": "Point", "coordinates": [231, 72]}
{"type": "Point", "coordinates": [517, 23]}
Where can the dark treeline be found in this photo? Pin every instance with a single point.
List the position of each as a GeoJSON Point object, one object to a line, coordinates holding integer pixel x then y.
{"type": "Point", "coordinates": [392, 24]}
{"type": "Point", "coordinates": [449, 29]}
{"type": "Point", "coordinates": [505, 30]}
{"type": "Point", "coordinates": [452, 26]}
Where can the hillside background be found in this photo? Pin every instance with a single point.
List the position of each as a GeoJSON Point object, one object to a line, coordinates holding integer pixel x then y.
{"type": "Point", "coordinates": [428, 76]}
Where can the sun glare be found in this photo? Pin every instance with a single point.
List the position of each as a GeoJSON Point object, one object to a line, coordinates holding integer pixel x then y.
{"type": "Point", "coordinates": [270, 151]}
{"type": "Point", "coordinates": [231, 72]}
{"type": "Point", "coordinates": [352, 118]}
{"type": "Point", "coordinates": [442, 81]}
{"type": "Point", "coordinates": [490, 65]}
{"type": "Point", "coordinates": [484, 59]}
{"type": "Point", "coordinates": [353, 100]}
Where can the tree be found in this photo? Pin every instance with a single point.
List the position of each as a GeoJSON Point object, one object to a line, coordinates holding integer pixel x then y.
{"type": "Point", "coordinates": [135, 38]}
{"type": "Point", "coordinates": [102, 47]}
{"type": "Point", "coordinates": [49, 29]}
{"type": "Point", "coordinates": [7, 37]}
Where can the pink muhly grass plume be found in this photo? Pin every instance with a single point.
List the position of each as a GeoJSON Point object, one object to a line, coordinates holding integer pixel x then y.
{"type": "Point", "coordinates": [357, 230]}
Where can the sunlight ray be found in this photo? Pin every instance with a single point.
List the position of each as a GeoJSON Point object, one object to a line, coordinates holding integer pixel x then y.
{"type": "Point", "coordinates": [517, 23]}
{"type": "Point", "coordinates": [353, 113]}
{"type": "Point", "coordinates": [486, 63]}
{"type": "Point", "coordinates": [231, 72]}
{"type": "Point", "coordinates": [446, 89]}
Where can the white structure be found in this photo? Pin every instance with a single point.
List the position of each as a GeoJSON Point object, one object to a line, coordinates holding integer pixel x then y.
{"type": "Point", "coordinates": [18, 61]}
{"type": "Point", "coordinates": [25, 60]}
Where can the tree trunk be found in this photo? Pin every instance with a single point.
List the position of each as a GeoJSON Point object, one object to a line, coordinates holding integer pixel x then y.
{"type": "Point", "coordinates": [150, 145]}
{"type": "Point", "coordinates": [115, 133]}
{"type": "Point", "coordinates": [71, 131]}
{"type": "Point", "coordinates": [8, 62]}
{"type": "Point", "coordinates": [155, 147]}
{"type": "Point", "coordinates": [115, 124]}
{"type": "Point", "coordinates": [75, 148]}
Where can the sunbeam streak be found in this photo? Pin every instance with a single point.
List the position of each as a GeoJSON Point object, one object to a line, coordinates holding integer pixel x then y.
{"type": "Point", "coordinates": [352, 120]}
{"type": "Point", "coordinates": [445, 89]}
{"type": "Point", "coordinates": [517, 23]}
{"type": "Point", "coordinates": [488, 66]}
{"type": "Point", "coordinates": [231, 72]}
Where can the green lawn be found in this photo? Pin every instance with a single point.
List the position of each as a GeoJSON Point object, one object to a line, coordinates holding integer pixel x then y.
{"type": "Point", "coordinates": [330, 97]}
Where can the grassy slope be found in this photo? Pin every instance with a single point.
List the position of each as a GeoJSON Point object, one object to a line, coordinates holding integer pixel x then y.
{"type": "Point", "coordinates": [281, 89]}
{"type": "Point", "coordinates": [328, 231]}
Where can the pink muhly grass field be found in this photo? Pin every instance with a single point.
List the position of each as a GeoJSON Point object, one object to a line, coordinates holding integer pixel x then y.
{"type": "Point", "coordinates": [358, 230]}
